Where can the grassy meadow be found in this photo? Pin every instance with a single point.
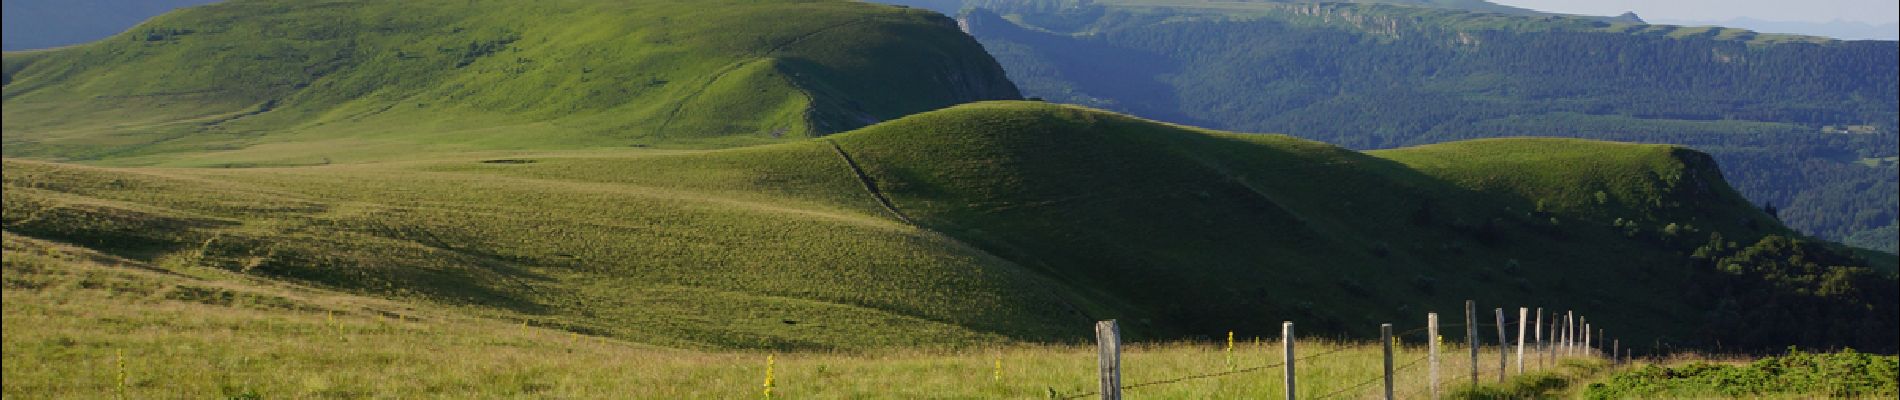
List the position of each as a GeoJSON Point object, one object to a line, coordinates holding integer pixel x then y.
{"type": "Point", "coordinates": [71, 313]}
{"type": "Point", "coordinates": [1796, 375]}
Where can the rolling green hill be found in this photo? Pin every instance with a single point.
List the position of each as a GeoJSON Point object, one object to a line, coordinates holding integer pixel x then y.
{"type": "Point", "coordinates": [599, 198]}
{"type": "Point", "coordinates": [990, 222]}
{"type": "Point", "coordinates": [1788, 117]}
{"type": "Point", "coordinates": [277, 82]}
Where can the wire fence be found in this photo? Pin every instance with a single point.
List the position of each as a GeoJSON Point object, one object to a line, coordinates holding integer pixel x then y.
{"type": "Point", "coordinates": [1212, 375]}
{"type": "Point", "coordinates": [1562, 336]}
{"type": "Point", "coordinates": [1376, 379]}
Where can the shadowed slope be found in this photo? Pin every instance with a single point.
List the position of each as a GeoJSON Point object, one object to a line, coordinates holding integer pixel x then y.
{"type": "Point", "coordinates": [1198, 232]}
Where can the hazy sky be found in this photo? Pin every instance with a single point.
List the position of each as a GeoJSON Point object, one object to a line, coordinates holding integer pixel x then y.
{"type": "Point", "coordinates": [1870, 11]}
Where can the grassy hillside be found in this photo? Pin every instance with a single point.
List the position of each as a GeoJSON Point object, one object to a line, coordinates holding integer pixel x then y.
{"type": "Point", "coordinates": [982, 223]}
{"type": "Point", "coordinates": [769, 248]}
{"type": "Point", "coordinates": [84, 324]}
{"type": "Point", "coordinates": [272, 82]}
{"type": "Point", "coordinates": [1788, 118]}
{"type": "Point", "coordinates": [78, 323]}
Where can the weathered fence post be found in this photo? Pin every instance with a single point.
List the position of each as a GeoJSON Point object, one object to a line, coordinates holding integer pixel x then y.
{"type": "Point", "coordinates": [1585, 348]}
{"type": "Point", "coordinates": [1108, 348]}
{"type": "Point", "coordinates": [1385, 337]}
{"type": "Point", "coordinates": [1616, 345]}
{"type": "Point", "coordinates": [1523, 315]}
{"type": "Point", "coordinates": [1431, 328]}
{"type": "Point", "coordinates": [1556, 338]}
{"type": "Point", "coordinates": [1504, 346]}
{"type": "Point", "coordinates": [1570, 331]}
{"type": "Point", "coordinates": [1471, 336]}
{"type": "Point", "coordinates": [1286, 342]}
{"type": "Point", "coordinates": [1538, 334]}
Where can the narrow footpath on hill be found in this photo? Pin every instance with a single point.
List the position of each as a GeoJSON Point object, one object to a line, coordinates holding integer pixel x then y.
{"type": "Point", "coordinates": [869, 184]}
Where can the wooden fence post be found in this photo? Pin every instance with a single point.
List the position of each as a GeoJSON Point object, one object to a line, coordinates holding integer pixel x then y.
{"type": "Point", "coordinates": [1556, 337]}
{"type": "Point", "coordinates": [1431, 328]}
{"type": "Point", "coordinates": [1504, 346]}
{"type": "Point", "coordinates": [1538, 334]}
{"type": "Point", "coordinates": [1108, 342]}
{"type": "Point", "coordinates": [1385, 338]}
{"type": "Point", "coordinates": [1570, 331]}
{"type": "Point", "coordinates": [1550, 341]}
{"type": "Point", "coordinates": [1585, 348]}
{"type": "Point", "coordinates": [1616, 345]}
{"type": "Point", "coordinates": [1286, 342]}
{"type": "Point", "coordinates": [1523, 315]}
{"type": "Point", "coordinates": [1471, 336]}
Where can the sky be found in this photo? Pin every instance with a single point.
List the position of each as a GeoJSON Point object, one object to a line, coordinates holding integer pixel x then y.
{"type": "Point", "coordinates": [1867, 11]}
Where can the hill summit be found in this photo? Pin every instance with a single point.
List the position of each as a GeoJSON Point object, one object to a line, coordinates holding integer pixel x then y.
{"type": "Point", "coordinates": [276, 82]}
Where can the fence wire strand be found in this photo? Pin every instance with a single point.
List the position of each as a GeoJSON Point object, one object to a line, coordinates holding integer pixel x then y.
{"type": "Point", "coordinates": [1361, 385]}
{"type": "Point", "coordinates": [1374, 380]}
{"type": "Point", "coordinates": [1213, 375]}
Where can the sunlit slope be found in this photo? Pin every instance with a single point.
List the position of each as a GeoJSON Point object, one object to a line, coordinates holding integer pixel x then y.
{"type": "Point", "coordinates": [775, 247]}
{"type": "Point", "coordinates": [1599, 180]}
{"type": "Point", "coordinates": [277, 82]}
{"type": "Point", "coordinates": [984, 222]}
{"type": "Point", "coordinates": [78, 322]}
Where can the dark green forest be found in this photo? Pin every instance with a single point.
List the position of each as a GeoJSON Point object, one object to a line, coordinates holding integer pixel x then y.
{"type": "Point", "coordinates": [1803, 125]}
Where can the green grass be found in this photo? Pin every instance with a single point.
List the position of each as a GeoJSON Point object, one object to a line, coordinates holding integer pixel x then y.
{"type": "Point", "coordinates": [1840, 375]}
{"type": "Point", "coordinates": [561, 252]}
{"type": "Point", "coordinates": [1561, 381]}
{"type": "Point", "coordinates": [272, 82]}
{"type": "Point", "coordinates": [70, 313]}
{"type": "Point", "coordinates": [1596, 180]}
{"type": "Point", "coordinates": [1030, 221]}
